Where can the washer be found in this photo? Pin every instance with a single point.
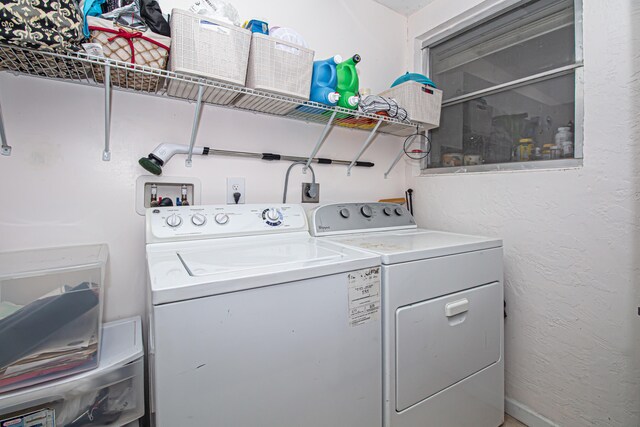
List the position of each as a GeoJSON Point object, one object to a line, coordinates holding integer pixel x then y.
{"type": "Point", "coordinates": [255, 323]}
{"type": "Point", "coordinates": [442, 311]}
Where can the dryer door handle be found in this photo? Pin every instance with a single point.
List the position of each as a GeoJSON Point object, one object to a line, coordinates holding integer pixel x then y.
{"type": "Point", "coordinates": [457, 307]}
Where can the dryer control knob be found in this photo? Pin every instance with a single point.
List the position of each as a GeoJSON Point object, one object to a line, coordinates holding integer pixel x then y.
{"type": "Point", "coordinates": [273, 214]}
{"type": "Point", "coordinates": [387, 211]}
{"type": "Point", "coordinates": [198, 219]}
{"type": "Point", "coordinates": [221, 218]}
{"type": "Point", "coordinates": [344, 213]}
{"type": "Point", "coordinates": [366, 211]}
{"type": "Point", "coordinates": [173, 220]}
{"type": "Point", "coordinates": [399, 211]}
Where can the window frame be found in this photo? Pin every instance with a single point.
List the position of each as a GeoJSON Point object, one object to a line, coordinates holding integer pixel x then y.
{"type": "Point", "coordinates": [474, 18]}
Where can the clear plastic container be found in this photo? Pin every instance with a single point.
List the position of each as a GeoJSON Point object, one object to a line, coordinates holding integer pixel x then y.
{"type": "Point", "coordinates": [50, 313]}
{"type": "Point", "coordinates": [112, 394]}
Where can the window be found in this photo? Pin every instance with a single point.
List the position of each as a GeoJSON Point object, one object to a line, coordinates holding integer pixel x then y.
{"type": "Point", "coordinates": [512, 90]}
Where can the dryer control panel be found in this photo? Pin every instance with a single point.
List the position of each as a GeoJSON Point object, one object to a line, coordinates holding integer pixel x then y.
{"type": "Point", "coordinates": [348, 218]}
{"type": "Point", "coordinates": [176, 223]}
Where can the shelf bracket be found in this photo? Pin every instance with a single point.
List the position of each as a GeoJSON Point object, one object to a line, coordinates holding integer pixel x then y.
{"type": "Point", "coordinates": [106, 154]}
{"type": "Point", "coordinates": [196, 125]}
{"type": "Point", "coordinates": [395, 162]}
{"type": "Point", "coordinates": [323, 136]}
{"type": "Point", "coordinates": [364, 147]}
{"type": "Point", "coordinates": [6, 148]}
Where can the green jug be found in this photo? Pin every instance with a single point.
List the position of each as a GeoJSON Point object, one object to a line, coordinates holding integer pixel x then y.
{"type": "Point", "coordinates": [348, 83]}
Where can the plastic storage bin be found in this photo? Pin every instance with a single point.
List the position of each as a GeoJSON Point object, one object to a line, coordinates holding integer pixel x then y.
{"type": "Point", "coordinates": [112, 394]}
{"type": "Point", "coordinates": [50, 313]}
{"type": "Point", "coordinates": [280, 67]}
{"type": "Point", "coordinates": [422, 102]}
{"type": "Point", "coordinates": [204, 47]}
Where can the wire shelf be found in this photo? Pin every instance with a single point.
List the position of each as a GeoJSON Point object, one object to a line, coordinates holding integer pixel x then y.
{"type": "Point", "coordinates": [82, 68]}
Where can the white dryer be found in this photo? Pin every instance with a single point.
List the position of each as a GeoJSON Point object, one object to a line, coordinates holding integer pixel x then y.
{"type": "Point", "coordinates": [442, 299]}
{"type": "Point", "coordinates": [255, 323]}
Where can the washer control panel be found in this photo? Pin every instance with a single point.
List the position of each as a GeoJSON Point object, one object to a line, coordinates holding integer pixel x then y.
{"type": "Point", "coordinates": [344, 218]}
{"type": "Point", "coordinates": [175, 223]}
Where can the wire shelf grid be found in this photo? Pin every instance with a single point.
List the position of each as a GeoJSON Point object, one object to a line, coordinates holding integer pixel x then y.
{"type": "Point", "coordinates": [81, 68]}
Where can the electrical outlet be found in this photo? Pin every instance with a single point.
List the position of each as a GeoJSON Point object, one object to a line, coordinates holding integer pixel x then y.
{"type": "Point", "coordinates": [235, 185]}
{"type": "Point", "coordinates": [306, 198]}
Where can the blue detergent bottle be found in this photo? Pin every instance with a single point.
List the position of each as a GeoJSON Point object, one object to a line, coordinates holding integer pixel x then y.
{"type": "Point", "coordinates": [325, 80]}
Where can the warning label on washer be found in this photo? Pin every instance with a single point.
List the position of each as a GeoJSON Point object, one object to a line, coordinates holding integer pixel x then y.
{"type": "Point", "coordinates": [364, 296]}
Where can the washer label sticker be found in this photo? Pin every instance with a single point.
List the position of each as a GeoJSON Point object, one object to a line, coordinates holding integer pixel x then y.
{"type": "Point", "coordinates": [364, 296]}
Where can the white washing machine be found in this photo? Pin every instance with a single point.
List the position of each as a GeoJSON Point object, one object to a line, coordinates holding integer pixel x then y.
{"type": "Point", "coordinates": [255, 323]}
{"type": "Point", "coordinates": [442, 315]}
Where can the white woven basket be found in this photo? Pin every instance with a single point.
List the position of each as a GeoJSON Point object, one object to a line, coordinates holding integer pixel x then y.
{"type": "Point", "coordinates": [422, 102]}
{"type": "Point", "coordinates": [208, 48]}
{"type": "Point", "coordinates": [280, 67]}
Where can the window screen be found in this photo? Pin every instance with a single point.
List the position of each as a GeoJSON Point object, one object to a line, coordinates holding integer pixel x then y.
{"type": "Point", "coordinates": [509, 88]}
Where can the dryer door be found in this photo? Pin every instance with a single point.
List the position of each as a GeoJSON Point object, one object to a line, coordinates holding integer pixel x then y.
{"type": "Point", "coordinates": [445, 340]}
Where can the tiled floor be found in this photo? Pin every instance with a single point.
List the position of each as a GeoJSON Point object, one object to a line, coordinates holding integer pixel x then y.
{"type": "Point", "coordinates": [511, 422]}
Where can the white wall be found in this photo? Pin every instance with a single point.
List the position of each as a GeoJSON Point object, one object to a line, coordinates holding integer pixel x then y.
{"type": "Point", "coordinates": [344, 27]}
{"type": "Point", "coordinates": [571, 237]}
{"type": "Point", "coordinates": [57, 191]}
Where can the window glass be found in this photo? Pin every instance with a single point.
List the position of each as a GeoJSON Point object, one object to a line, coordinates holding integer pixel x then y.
{"type": "Point", "coordinates": [530, 122]}
{"type": "Point", "coordinates": [528, 40]}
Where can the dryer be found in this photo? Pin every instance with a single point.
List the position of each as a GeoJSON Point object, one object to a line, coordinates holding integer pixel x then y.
{"type": "Point", "coordinates": [442, 315]}
{"type": "Point", "coordinates": [255, 323]}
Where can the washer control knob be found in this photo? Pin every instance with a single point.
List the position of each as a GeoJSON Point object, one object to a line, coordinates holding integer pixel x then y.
{"type": "Point", "coordinates": [221, 218]}
{"type": "Point", "coordinates": [344, 213]}
{"type": "Point", "coordinates": [173, 220]}
{"type": "Point", "coordinates": [273, 214]}
{"type": "Point", "coordinates": [387, 211]}
{"type": "Point", "coordinates": [198, 219]}
{"type": "Point", "coordinates": [398, 211]}
{"type": "Point", "coordinates": [366, 211]}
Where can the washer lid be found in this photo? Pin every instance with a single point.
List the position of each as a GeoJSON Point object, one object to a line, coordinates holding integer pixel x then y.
{"type": "Point", "coordinates": [411, 245]}
{"type": "Point", "coordinates": [240, 258]}
{"type": "Point", "coordinates": [182, 271]}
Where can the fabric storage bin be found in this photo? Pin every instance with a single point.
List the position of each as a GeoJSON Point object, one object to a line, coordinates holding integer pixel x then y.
{"type": "Point", "coordinates": [112, 395]}
{"type": "Point", "coordinates": [51, 313]}
{"type": "Point", "coordinates": [54, 25]}
{"type": "Point", "coordinates": [127, 45]}
{"type": "Point", "coordinates": [205, 47]}
{"type": "Point", "coordinates": [422, 102]}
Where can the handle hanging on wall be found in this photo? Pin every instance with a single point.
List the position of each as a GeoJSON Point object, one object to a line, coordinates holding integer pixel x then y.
{"type": "Point", "coordinates": [164, 152]}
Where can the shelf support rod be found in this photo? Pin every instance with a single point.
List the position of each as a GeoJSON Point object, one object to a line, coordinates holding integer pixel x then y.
{"type": "Point", "coordinates": [364, 147]}
{"type": "Point", "coordinates": [323, 136]}
{"type": "Point", "coordinates": [196, 125]}
{"type": "Point", "coordinates": [106, 154]}
{"type": "Point", "coordinates": [6, 148]}
{"type": "Point", "coordinates": [395, 162]}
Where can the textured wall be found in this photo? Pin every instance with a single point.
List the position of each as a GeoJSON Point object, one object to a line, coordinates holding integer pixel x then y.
{"type": "Point", "coordinates": [572, 238]}
{"type": "Point", "coordinates": [57, 191]}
